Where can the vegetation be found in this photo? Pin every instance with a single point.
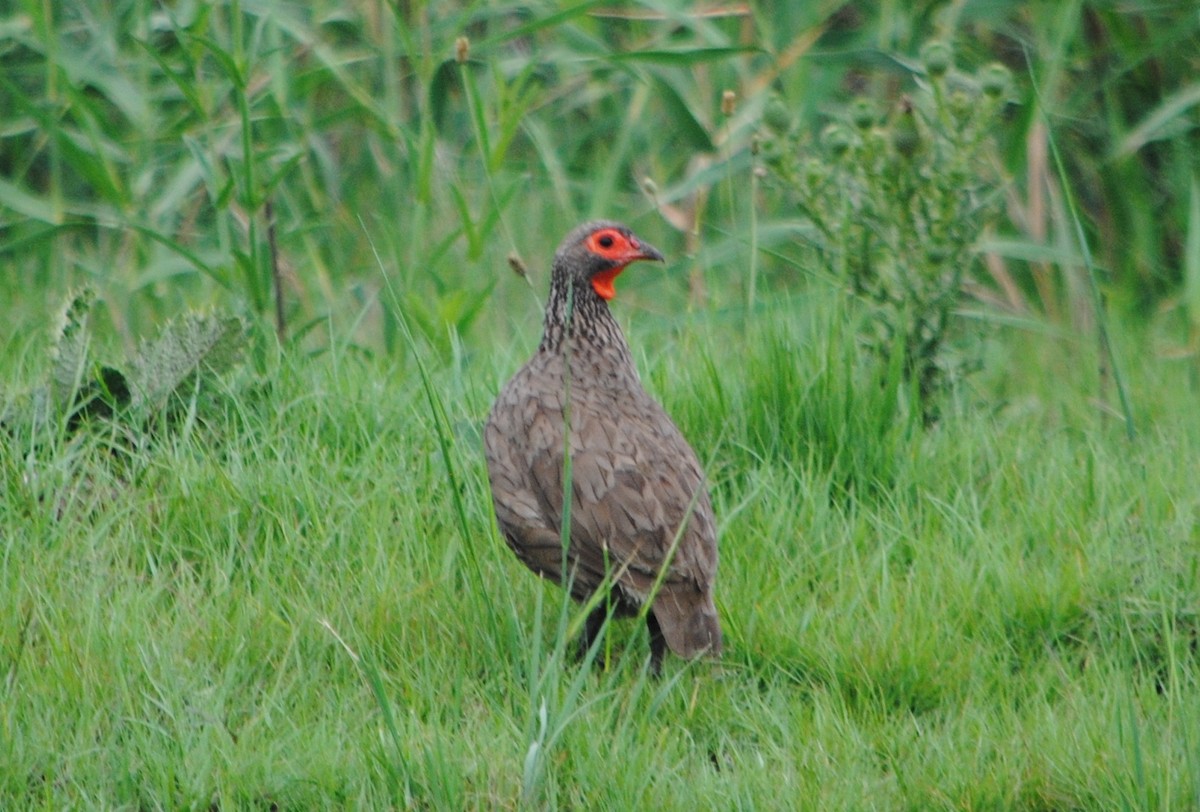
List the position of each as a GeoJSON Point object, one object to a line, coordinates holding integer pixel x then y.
{"type": "Point", "coordinates": [253, 564]}
{"type": "Point", "coordinates": [895, 211]}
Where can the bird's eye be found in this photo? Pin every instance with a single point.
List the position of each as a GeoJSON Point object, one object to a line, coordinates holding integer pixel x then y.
{"type": "Point", "coordinates": [606, 241]}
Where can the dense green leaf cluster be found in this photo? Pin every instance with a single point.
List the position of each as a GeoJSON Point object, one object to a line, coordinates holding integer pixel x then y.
{"type": "Point", "coordinates": [895, 209]}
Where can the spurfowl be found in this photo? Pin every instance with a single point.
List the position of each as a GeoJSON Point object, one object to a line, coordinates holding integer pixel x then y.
{"type": "Point", "coordinates": [639, 511]}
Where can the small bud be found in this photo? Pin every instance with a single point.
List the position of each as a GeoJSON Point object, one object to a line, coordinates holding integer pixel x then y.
{"type": "Point", "coordinates": [937, 57]}
{"type": "Point", "coordinates": [837, 139]}
{"type": "Point", "coordinates": [727, 100]}
{"type": "Point", "coordinates": [518, 266]}
{"type": "Point", "coordinates": [995, 80]}
{"type": "Point", "coordinates": [772, 152]}
{"type": "Point", "coordinates": [649, 186]}
{"type": "Point", "coordinates": [777, 117]}
{"type": "Point", "coordinates": [462, 49]}
{"type": "Point", "coordinates": [905, 137]}
{"type": "Point", "coordinates": [815, 172]}
{"type": "Point", "coordinates": [862, 113]}
{"type": "Point", "coordinates": [961, 105]}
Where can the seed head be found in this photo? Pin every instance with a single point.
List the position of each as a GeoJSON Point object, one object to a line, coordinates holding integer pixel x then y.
{"type": "Point", "coordinates": [777, 117]}
{"type": "Point", "coordinates": [518, 265]}
{"type": "Point", "coordinates": [727, 101]}
{"type": "Point", "coordinates": [937, 57]}
{"type": "Point", "coordinates": [862, 113]}
{"type": "Point", "coordinates": [995, 80]}
{"type": "Point", "coordinates": [837, 139]}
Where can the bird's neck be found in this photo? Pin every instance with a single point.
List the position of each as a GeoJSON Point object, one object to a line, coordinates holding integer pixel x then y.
{"type": "Point", "coordinates": [578, 320]}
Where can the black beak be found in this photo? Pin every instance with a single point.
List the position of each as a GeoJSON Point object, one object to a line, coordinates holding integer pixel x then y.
{"type": "Point", "coordinates": [648, 251]}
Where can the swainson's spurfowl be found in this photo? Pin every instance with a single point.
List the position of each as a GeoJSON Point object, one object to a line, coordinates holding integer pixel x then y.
{"type": "Point", "coordinates": [639, 508]}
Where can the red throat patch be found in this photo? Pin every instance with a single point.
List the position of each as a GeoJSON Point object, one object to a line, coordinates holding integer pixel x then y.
{"type": "Point", "coordinates": [602, 283]}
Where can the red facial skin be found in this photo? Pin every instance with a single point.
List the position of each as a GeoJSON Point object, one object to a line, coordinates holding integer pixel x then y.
{"type": "Point", "coordinates": [619, 248]}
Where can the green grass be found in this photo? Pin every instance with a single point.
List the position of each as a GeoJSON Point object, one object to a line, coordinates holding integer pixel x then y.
{"type": "Point", "coordinates": [295, 596]}
{"type": "Point", "coordinates": [281, 609]}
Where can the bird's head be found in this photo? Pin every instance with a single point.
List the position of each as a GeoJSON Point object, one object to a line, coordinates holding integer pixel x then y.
{"type": "Point", "coordinates": [596, 252]}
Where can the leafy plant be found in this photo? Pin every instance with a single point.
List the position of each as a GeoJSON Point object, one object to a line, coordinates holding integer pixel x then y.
{"type": "Point", "coordinates": [166, 374]}
{"type": "Point", "coordinates": [895, 208]}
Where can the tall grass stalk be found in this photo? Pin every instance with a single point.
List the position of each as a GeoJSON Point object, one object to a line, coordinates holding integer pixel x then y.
{"type": "Point", "coordinates": [442, 427]}
{"type": "Point", "coordinates": [1107, 352]}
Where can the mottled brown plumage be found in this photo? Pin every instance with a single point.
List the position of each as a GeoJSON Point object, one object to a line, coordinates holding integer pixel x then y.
{"type": "Point", "coordinates": [635, 480]}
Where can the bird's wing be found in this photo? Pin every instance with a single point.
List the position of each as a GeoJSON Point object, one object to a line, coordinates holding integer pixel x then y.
{"type": "Point", "coordinates": [638, 503]}
{"type": "Point", "coordinates": [639, 500]}
{"type": "Point", "coordinates": [520, 430]}
{"type": "Point", "coordinates": [635, 483]}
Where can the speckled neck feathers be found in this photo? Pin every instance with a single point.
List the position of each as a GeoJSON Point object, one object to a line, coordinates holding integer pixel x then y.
{"type": "Point", "coordinates": [576, 317]}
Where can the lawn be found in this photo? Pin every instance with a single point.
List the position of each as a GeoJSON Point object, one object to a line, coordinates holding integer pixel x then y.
{"type": "Point", "coordinates": [268, 575]}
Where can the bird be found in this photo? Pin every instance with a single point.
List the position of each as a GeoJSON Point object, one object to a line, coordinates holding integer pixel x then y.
{"type": "Point", "coordinates": [641, 521]}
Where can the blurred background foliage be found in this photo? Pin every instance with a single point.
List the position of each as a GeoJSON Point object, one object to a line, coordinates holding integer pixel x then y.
{"type": "Point", "coordinates": [181, 154]}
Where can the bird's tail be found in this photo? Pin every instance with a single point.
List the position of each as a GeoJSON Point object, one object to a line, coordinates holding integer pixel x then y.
{"type": "Point", "coordinates": [689, 622]}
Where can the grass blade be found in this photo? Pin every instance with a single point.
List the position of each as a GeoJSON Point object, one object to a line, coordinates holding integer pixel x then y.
{"type": "Point", "coordinates": [1106, 346]}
